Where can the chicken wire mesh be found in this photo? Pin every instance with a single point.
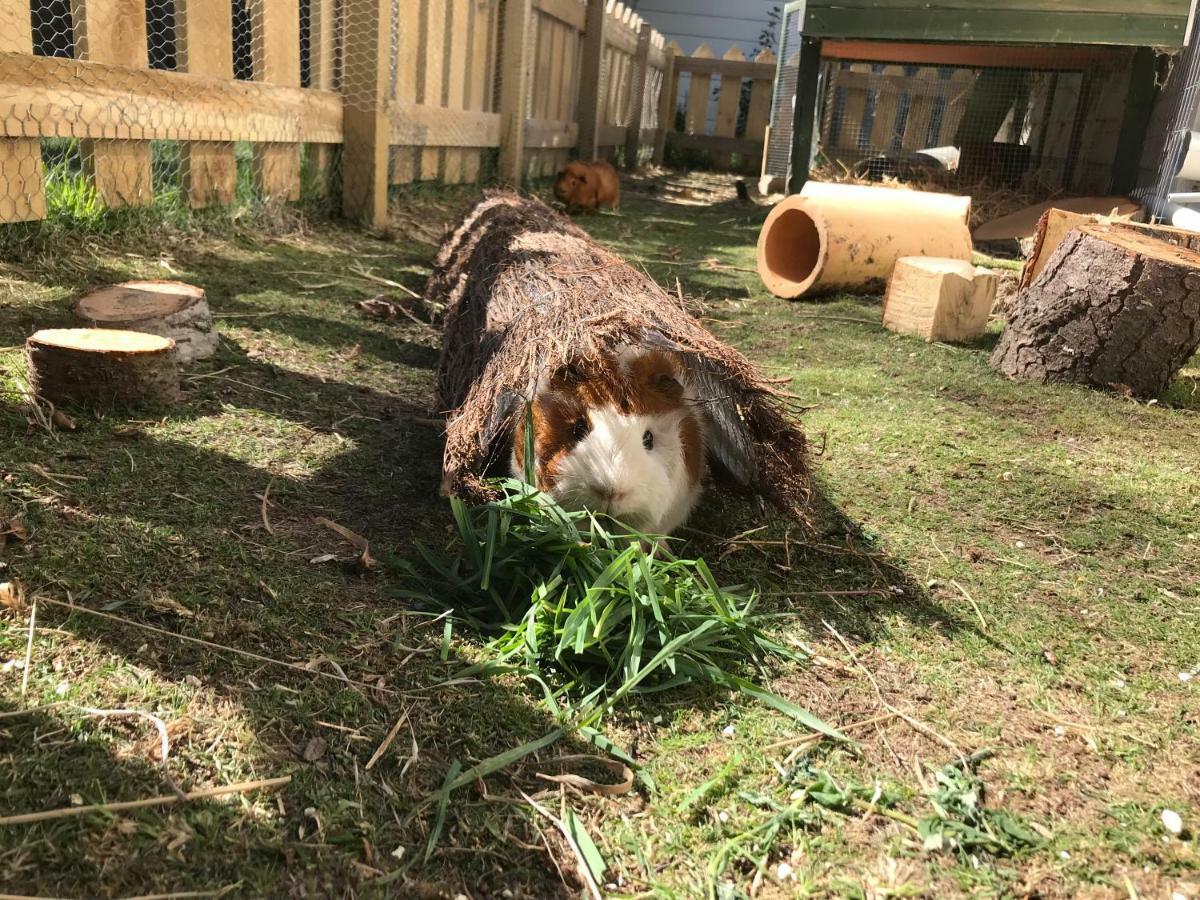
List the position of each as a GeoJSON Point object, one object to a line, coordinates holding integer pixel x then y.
{"type": "Point", "coordinates": [1038, 130]}
{"type": "Point", "coordinates": [119, 137]}
{"type": "Point", "coordinates": [1024, 129]}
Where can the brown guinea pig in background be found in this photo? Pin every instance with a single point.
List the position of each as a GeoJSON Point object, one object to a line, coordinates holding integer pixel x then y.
{"type": "Point", "coordinates": [585, 187]}
{"type": "Point", "coordinates": [623, 438]}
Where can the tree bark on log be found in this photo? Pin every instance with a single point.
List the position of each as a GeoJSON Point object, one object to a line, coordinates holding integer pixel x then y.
{"type": "Point", "coordinates": [1113, 308]}
{"type": "Point", "coordinates": [171, 309]}
{"type": "Point", "coordinates": [101, 365]}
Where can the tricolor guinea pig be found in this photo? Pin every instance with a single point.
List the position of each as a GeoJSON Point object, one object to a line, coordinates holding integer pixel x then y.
{"type": "Point", "coordinates": [623, 438]}
{"type": "Point", "coordinates": [585, 187]}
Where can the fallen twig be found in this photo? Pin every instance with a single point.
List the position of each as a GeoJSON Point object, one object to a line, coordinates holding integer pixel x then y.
{"type": "Point", "coordinates": [975, 606]}
{"type": "Point", "coordinates": [387, 741]}
{"type": "Point", "coordinates": [266, 518]}
{"type": "Point", "coordinates": [915, 724]}
{"type": "Point", "coordinates": [165, 800]}
{"type": "Point", "coordinates": [29, 648]}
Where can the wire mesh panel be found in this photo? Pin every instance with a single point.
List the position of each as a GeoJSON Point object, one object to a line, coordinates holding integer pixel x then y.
{"type": "Point", "coordinates": [1018, 128]}
{"type": "Point", "coordinates": [137, 103]}
{"type": "Point", "coordinates": [783, 101]}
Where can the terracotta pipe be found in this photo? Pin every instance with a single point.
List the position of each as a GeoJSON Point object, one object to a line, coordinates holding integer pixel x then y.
{"type": "Point", "coordinates": [847, 237]}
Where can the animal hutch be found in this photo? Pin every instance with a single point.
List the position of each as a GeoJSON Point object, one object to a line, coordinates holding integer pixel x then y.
{"type": "Point", "coordinates": [1036, 94]}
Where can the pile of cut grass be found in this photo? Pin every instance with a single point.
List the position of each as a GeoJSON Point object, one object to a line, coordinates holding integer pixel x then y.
{"type": "Point", "coordinates": [593, 611]}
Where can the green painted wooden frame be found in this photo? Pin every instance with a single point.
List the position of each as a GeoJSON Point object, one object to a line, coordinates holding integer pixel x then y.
{"type": "Point", "coordinates": [1157, 23]}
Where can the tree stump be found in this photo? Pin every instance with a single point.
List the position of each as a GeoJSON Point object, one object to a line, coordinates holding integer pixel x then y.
{"type": "Point", "coordinates": [102, 365]}
{"type": "Point", "coordinates": [171, 309]}
{"type": "Point", "coordinates": [1112, 308]}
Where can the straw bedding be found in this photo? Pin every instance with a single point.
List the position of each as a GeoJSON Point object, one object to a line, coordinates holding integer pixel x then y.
{"type": "Point", "coordinates": [526, 293]}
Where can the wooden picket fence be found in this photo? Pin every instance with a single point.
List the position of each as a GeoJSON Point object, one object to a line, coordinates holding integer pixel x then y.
{"type": "Point", "coordinates": [399, 90]}
{"type": "Point", "coordinates": [892, 109]}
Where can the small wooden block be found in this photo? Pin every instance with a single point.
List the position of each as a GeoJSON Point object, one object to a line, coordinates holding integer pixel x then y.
{"type": "Point", "coordinates": [100, 365]}
{"type": "Point", "coordinates": [170, 309]}
{"type": "Point", "coordinates": [938, 299]}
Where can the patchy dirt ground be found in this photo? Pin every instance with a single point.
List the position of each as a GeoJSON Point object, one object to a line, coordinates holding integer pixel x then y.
{"type": "Point", "coordinates": [997, 567]}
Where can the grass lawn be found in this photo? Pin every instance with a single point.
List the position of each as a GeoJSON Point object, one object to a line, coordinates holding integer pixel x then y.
{"type": "Point", "coordinates": [1000, 567]}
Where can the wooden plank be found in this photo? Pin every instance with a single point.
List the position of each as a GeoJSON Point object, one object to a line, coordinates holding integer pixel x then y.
{"type": "Point", "coordinates": [759, 113]}
{"type": "Point", "coordinates": [432, 77]}
{"type": "Point", "coordinates": [696, 117]}
{"type": "Point", "coordinates": [417, 125]}
{"type": "Point", "coordinates": [707, 65]}
{"type": "Point", "coordinates": [569, 12]}
{"type": "Point", "coordinates": [456, 77]}
{"type": "Point", "coordinates": [114, 32]}
{"type": "Point", "coordinates": [855, 107]}
{"type": "Point", "coordinates": [714, 143]}
{"type": "Point", "coordinates": [992, 56]}
{"type": "Point", "coordinates": [542, 135]}
{"type": "Point", "coordinates": [1165, 8]}
{"type": "Point", "coordinates": [322, 76]}
{"type": "Point", "coordinates": [204, 34]}
{"type": "Point", "coordinates": [995, 25]}
{"type": "Point", "coordinates": [729, 97]}
{"type": "Point", "coordinates": [24, 197]}
{"type": "Point", "coordinates": [592, 81]}
{"type": "Point", "coordinates": [89, 100]}
{"type": "Point", "coordinates": [365, 150]}
{"type": "Point", "coordinates": [610, 135]}
{"type": "Point", "coordinates": [514, 64]}
{"type": "Point", "coordinates": [640, 83]}
{"type": "Point", "coordinates": [404, 160]}
{"type": "Point", "coordinates": [666, 104]}
{"type": "Point", "coordinates": [477, 79]}
{"type": "Point", "coordinates": [920, 111]}
{"type": "Point", "coordinates": [276, 56]}
{"type": "Point", "coordinates": [890, 85]}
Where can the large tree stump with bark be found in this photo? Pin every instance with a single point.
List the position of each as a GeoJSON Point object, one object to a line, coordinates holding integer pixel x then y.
{"type": "Point", "coordinates": [171, 309]}
{"type": "Point", "coordinates": [102, 365]}
{"type": "Point", "coordinates": [1112, 308]}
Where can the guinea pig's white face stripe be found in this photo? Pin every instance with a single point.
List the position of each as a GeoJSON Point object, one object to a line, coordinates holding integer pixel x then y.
{"type": "Point", "coordinates": [611, 470]}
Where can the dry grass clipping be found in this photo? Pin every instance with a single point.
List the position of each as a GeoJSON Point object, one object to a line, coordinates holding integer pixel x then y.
{"type": "Point", "coordinates": [526, 292]}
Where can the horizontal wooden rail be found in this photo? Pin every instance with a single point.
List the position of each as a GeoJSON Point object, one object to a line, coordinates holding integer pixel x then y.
{"type": "Point", "coordinates": [621, 38]}
{"type": "Point", "coordinates": [973, 55]}
{"type": "Point", "coordinates": [611, 135]}
{"type": "Point", "coordinates": [923, 87]}
{"type": "Point", "coordinates": [417, 125]}
{"type": "Point", "coordinates": [726, 68]}
{"type": "Point", "coordinates": [50, 97]}
{"type": "Point", "coordinates": [570, 12]}
{"type": "Point", "coordinates": [714, 143]}
{"type": "Point", "coordinates": [542, 134]}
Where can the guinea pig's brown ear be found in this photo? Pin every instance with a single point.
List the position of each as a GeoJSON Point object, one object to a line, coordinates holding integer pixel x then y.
{"type": "Point", "coordinates": [582, 176]}
{"type": "Point", "coordinates": [666, 385]}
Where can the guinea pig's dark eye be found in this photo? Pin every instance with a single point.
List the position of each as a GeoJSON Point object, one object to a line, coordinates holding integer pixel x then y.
{"type": "Point", "coordinates": [625, 405]}
{"type": "Point", "coordinates": [580, 429]}
{"type": "Point", "coordinates": [648, 440]}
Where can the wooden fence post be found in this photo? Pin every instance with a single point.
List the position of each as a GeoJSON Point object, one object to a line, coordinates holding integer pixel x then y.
{"type": "Point", "coordinates": [114, 32]}
{"type": "Point", "coordinates": [637, 100]}
{"type": "Point", "coordinates": [699, 93]}
{"type": "Point", "coordinates": [24, 197]}
{"type": "Point", "coordinates": [592, 81]}
{"type": "Point", "coordinates": [804, 118]}
{"type": "Point", "coordinates": [204, 33]}
{"type": "Point", "coordinates": [322, 77]}
{"type": "Point", "coordinates": [758, 115]}
{"type": "Point", "coordinates": [514, 101]}
{"type": "Point", "coordinates": [666, 103]}
{"type": "Point", "coordinates": [365, 125]}
{"type": "Point", "coordinates": [276, 54]}
{"type": "Point", "coordinates": [728, 100]}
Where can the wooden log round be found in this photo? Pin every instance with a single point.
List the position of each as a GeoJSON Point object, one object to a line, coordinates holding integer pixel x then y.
{"type": "Point", "coordinates": [171, 309]}
{"type": "Point", "coordinates": [1113, 308]}
{"type": "Point", "coordinates": [102, 365]}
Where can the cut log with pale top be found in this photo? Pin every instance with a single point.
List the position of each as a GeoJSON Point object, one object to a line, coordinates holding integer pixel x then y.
{"type": "Point", "coordinates": [1113, 308]}
{"type": "Point", "coordinates": [938, 299]}
{"type": "Point", "coordinates": [170, 309]}
{"type": "Point", "coordinates": [102, 365]}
